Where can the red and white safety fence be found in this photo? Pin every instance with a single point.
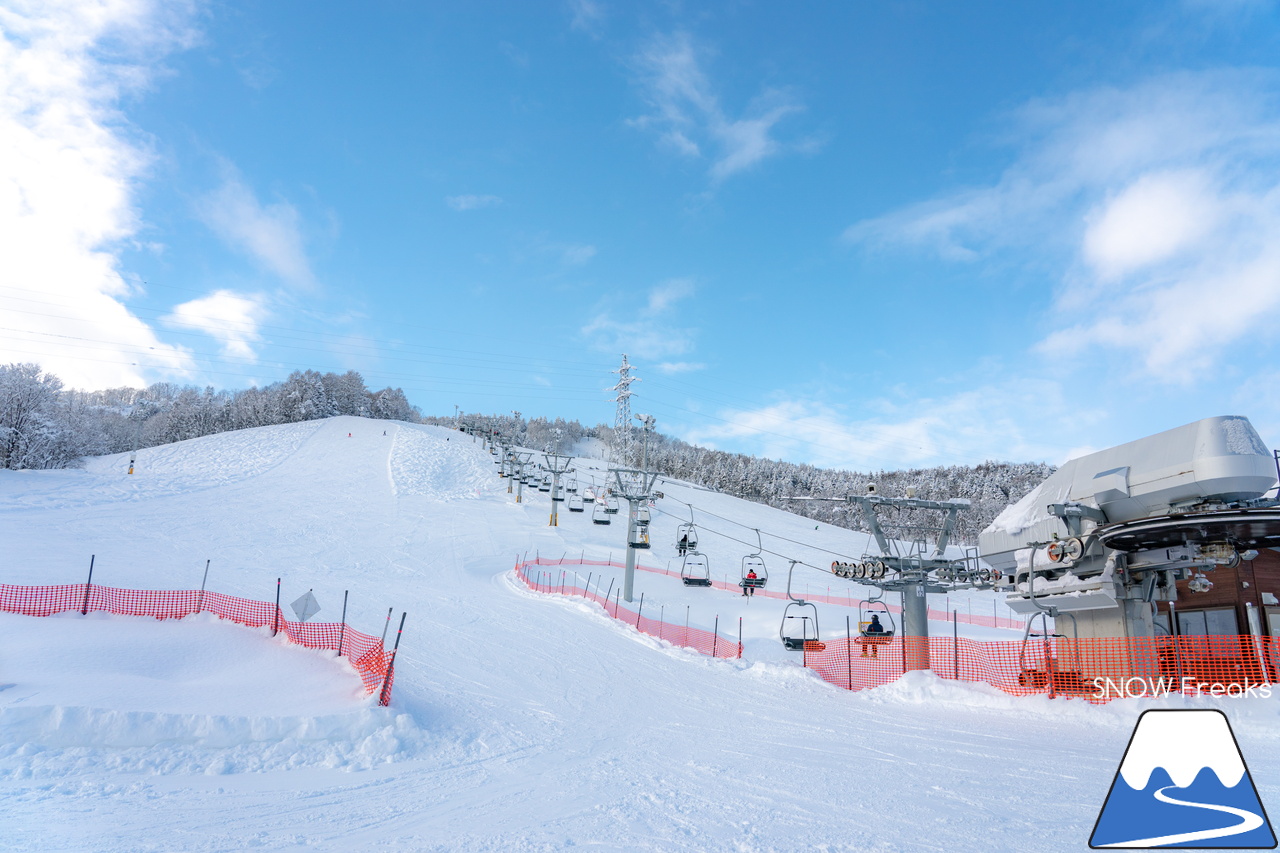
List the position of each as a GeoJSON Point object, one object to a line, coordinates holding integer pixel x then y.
{"type": "Point", "coordinates": [553, 578]}
{"type": "Point", "coordinates": [366, 653]}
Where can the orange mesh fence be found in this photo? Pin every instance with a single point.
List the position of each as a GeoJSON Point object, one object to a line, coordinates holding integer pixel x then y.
{"type": "Point", "coordinates": [729, 584]}
{"type": "Point", "coordinates": [1097, 670]}
{"type": "Point", "coordinates": [365, 652]}
{"type": "Point", "coordinates": [561, 582]}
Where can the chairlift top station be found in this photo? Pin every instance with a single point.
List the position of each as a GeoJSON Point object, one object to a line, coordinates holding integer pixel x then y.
{"type": "Point", "coordinates": [1109, 536]}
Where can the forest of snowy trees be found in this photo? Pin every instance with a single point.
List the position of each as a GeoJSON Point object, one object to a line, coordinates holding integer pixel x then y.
{"type": "Point", "coordinates": [43, 425]}
{"type": "Point", "coordinates": [989, 487]}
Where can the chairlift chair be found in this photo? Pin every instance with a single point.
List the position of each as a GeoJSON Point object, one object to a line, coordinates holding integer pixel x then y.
{"type": "Point", "coordinates": [611, 506]}
{"type": "Point", "coordinates": [640, 537]}
{"type": "Point", "coordinates": [687, 537]}
{"type": "Point", "coordinates": [866, 609]}
{"type": "Point", "coordinates": [588, 494]}
{"type": "Point", "coordinates": [695, 570]}
{"type": "Point", "coordinates": [571, 485]}
{"type": "Point", "coordinates": [545, 485]}
{"type": "Point", "coordinates": [599, 515]}
{"type": "Point", "coordinates": [799, 629]}
{"type": "Point", "coordinates": [576, 504]}
{"type": "Point", "coordinates": [642, 516]}
{"type": "Point", "coordinates": [753, 563]}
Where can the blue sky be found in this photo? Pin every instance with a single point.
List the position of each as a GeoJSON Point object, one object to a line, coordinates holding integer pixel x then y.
{"type": "Point", "coordinates": [867, 235]}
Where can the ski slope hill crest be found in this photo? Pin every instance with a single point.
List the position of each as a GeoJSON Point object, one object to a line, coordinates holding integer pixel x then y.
{"type": "Point", "coordinates": [519, 722]}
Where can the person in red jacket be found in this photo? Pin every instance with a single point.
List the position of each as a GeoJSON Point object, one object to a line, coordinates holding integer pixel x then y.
{"type": "Point", "coordinates": [749, 588]}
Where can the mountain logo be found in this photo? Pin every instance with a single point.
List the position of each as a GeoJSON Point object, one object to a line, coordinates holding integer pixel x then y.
{"type": "Point", "coordinates": [1183, 783]}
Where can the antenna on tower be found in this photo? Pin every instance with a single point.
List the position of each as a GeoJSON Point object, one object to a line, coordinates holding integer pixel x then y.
{"type": "Point", "coordinates": [622, 421]}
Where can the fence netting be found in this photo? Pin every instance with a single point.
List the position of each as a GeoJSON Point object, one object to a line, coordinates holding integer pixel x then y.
{"type": "Point", "coordinates": [555, 580]}
{"type": "Point", "coordinates": [366, 653]}
{"type": "Point", "coordinates": [1095, 669]}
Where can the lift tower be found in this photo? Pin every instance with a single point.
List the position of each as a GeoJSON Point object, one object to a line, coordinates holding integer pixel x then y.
{"type": "Point", "coordinates": [909, 564]}
{"type": "Point", "coordinates": [557, 465]}
{"type": "Point", "coordinates": [634, 487]}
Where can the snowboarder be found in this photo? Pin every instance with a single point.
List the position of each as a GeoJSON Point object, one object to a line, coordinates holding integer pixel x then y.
{"type": "Point", "coordinates": [749, 588]}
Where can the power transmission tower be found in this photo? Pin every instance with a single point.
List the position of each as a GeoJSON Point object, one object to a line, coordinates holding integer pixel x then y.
{"type": "Point", "coordinates": [622, 421]}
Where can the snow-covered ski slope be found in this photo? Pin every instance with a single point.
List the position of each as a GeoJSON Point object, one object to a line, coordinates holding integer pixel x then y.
{"type": "Point", "coordinates": [519, 722]}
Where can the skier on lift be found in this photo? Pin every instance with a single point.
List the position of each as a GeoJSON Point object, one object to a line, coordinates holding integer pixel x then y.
{"type": "Point", "coordinates": [749, 588]}
{"type": "Point", "coordinates": [683, 544]}
{"type": "Point", "coordinates": [875, 627]}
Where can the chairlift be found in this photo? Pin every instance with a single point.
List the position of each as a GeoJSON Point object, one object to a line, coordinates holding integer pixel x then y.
{"type": "Point", "coordinates": [611, 505]}
{"type": "Point", "coordinates": [642, 516]}
{"type": "Point", "coordinates": [571, 485]}
{"type": "Point", "coordinates": [576, 504]}
{"type": "Point", "coordinates": [687, 537]}
{"type": "Point", "coordinates": [799, 628]}
{"type": "Point", "coordinates": [588, 494]}
{"type": "Point", "coordinates": [599, 515]}
{"type": "Point", "coordinates": [867, 610]}
{"type": "Point", "coordinates": [695, 570]}
{"type": "Point", "coordinates": [545, 485]}
{"type": "Point", "coordinates": [639, 537]}
{"type": "Point", "coordinates": [754, 564]}
{"type": "Point", "coordinates": [558, 495]}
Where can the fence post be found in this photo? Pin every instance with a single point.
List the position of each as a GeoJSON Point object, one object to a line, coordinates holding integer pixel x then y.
{"type": "Point", "coordinates": [587, 590]}
{"type": "Point", "coordinates": [200, 600]}
{"type": "Point", "coordinates": [739, 637]}
{"type": "Point", "coordinates": [848, 650]}
{"type": "Point", "coordinates": [342, 632]}
{"type": "Point", "coordinates": [384, 698]}
{"type": "Point", "coordinates": [955, 647]}
{"type": "Point", "coordinates": [88, 584]}
{"type": "Point", "coordinates": [385, 626]}
{"type": "Point", "coordinates": [275, 624]}
{"type": "Point", "coordinates": [607, 594]}
{"type": "Point", "coordinates": [715, 635]}
{"type": "Point", "coordinates": [639, 611]}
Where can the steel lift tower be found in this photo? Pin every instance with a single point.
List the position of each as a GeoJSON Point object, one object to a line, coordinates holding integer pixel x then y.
{"type": "Point", "coordinates": [622, 421]}
{"type": "Point", "coordinates": [557, 465]}
{"type": "Point", "coordinates": [909, 564]}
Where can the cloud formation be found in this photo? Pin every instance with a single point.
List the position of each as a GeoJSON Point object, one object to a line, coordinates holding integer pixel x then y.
{"type": "Point", "coordinates": [472, 202]}
{"type": "Point", "coordinates": [687, 116]}
{"type": "Point", "coordinates": [69, 164]}
{"type": "Point", "coordinates": [1160, 203]}
{"type": "Point", "coordinates": [270, 234]}
{"type": "Point", "coordinates": [649, 333]}
{"type": "Point", "coordinates": [233, 319]}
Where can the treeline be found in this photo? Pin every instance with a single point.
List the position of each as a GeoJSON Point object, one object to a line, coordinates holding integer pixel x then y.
{"type": "Point", "coordinates": [989, 487]}
{"type": "Point", "coordinates": [43, 425]}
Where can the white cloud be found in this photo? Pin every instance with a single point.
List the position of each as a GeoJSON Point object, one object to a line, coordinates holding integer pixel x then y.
{"type": "Point", "coordinates": [1161, 205]}
{"type": "Point", "coordinates": [472, 202]}
{"type": "Point", "coordinates": [686, 114]}
{"type": "Point", "coordinates": [270, 234]}
{"type": "Point", "coordinates": [69, 163]}
{"type": "Point", "coordinates": [965, 428]}
{"type": "Point", "coordinates": [577, 255]}
{"type": "Point", "coordinates": [588, 15]}
{"type": "Point", "coordinates": [649, 333]}
{"type": "Point", "coordinates": [233, 319]}
{"type": "Point", "coordinates": [671, 368]}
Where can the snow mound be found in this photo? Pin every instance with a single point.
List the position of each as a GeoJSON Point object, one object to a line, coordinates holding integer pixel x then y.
{"type": "Point", "coordinates": [424, 463]}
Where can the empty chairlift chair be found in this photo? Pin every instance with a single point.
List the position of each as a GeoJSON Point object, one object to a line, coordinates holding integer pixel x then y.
{"type": "Point", "coordinates": [799, 628]}
{"type": "Point", "coordinates": [599, 514]}
{"type": "Point", "coordinates": [695, 570]}
{"type": "Point", "coordinates": [611, 505]}
{"type": "Point", "coordinates": [575, 504]}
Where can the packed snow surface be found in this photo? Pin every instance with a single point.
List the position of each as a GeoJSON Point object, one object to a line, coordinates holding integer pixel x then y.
{"type": "Point", "coordinates": [519, 721]}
